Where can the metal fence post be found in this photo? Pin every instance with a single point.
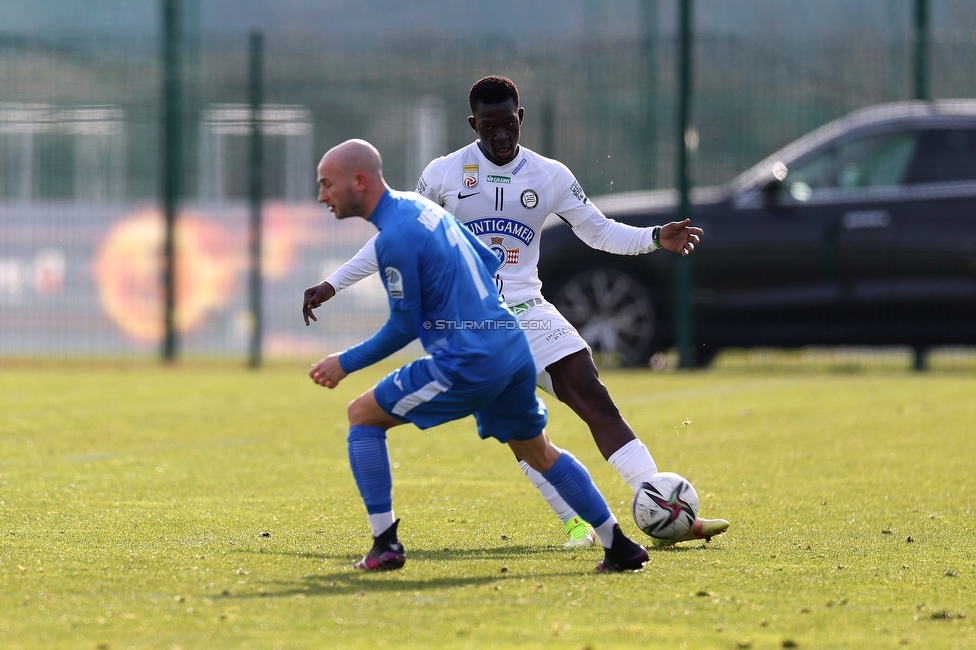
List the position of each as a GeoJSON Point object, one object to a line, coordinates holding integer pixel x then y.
{"type": "Point", "coordinates": [172, 152]}
{"type": "Point", "coordinates": [921, 31]}
{"type": "Point", "coordinates": [683, 279]}
{"type": "Point", "coordinates": [255, 195]}
{"type": "Point", "coordinates": [648, 45]}
{"type": "Point", "coordinates": [548, 119]}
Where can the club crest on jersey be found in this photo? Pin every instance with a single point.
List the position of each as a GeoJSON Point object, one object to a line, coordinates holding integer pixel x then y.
{"type": "Point", "coordinates": [394, 282]}
{"type": "Point", "coordinates": [505, 255]}
{"type": "Point", "coordinates": [469, 176]}
{"type": "Point", "coordinates": [529, 199]}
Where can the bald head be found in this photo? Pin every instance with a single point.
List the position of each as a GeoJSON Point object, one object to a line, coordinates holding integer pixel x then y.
{"type": "Point", "coordinates": [354, 156]}
{"type": "Point", "coordinates": [350, 177]}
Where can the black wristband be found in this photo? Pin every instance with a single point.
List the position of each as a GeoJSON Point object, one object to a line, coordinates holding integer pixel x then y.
{"type": "Point", "coordinates": [656, 236]}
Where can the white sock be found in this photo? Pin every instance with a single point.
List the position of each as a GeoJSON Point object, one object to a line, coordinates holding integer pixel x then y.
{"type": "Point", "coordinates": [556, 502]}
{"type": "Point", "coordinates": [634, 463]}
{"type": "Point", "coordinates": [605, 531]}
{"type": "Point", "coordinates": [380, 522]}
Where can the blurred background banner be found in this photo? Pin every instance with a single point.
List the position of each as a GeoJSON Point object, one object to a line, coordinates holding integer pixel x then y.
{"type": "Point", "coordinates": [81, 108]}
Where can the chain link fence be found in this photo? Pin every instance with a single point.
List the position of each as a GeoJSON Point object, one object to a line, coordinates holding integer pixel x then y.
{"type": "Point", "coordinates": [80, 163]}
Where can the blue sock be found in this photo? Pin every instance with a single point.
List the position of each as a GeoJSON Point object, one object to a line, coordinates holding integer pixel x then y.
{"type": "Point", "coordinates": [574, 485]}
{"type": "Point", "coordinates": [370, 462]}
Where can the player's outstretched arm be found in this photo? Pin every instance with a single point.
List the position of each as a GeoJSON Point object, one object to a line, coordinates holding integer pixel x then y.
{"type": "Point", "coordinates": [362, 265]}
{"type": "Point", "coordinates": [314, 297]}
{"type": "Point", "coordinates": [680, 237]}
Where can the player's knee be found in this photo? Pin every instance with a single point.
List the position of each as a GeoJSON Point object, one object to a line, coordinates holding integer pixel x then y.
{"type": "Point", "coordinates": [357, 411]}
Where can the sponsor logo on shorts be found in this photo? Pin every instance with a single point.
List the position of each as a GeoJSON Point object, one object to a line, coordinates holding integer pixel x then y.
{"type": "Point", "coordinates": [469, 176]}
{"type": "Point", "coordinates": [558, 334]}
{"type": "Point", "coordinates": [518, 310]}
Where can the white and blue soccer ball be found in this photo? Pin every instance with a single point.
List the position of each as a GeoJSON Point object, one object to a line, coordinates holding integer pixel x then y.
{"type": "Point", "coordinates": [666, 506]}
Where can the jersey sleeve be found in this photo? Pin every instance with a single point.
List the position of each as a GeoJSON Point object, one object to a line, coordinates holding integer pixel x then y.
{"type": "Point", "coordinates": [361, 266]}
{"type": "Point", "coordinates": [398, 262]}
{"type": "Point", "coordinates": [430, 185]}
{"type": "Point", "coordinates": [568, 199]}
{"type": "Point", "coordinates": [394, 335]}
{"type": "Point", "coordinates": [589, 224]}
{"type": "Point", "coordinates": [605, 234]}
{"type": "Point", "coordinates": [399, 266]}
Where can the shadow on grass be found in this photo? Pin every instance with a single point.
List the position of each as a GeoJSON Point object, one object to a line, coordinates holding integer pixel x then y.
{"type": "Point", "coordinates": [683, 548]}
{"type": "Point", "coordinates": [352, 582]}
{"type": "Point", "coordinates": [434, 555]}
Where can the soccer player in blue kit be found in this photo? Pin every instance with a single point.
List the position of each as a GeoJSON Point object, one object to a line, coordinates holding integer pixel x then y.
{"type": "Point", "coordinates": [440, 288]}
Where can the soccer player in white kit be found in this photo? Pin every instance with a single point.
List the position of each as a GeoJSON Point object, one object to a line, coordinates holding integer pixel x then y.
{"type": "Point", "coordinates": [503, 193]}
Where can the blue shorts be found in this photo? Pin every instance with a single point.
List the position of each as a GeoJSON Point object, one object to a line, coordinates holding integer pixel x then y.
{"type": "Point", "coordinates": [506, 409]}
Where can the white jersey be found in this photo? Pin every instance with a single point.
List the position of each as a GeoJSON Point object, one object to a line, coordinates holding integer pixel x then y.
{"type": "Point", "coordinates": [506, 207]}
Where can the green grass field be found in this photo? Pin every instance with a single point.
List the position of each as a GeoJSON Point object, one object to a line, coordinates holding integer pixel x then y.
{"type": "Point", "coordinates": [213, 507]}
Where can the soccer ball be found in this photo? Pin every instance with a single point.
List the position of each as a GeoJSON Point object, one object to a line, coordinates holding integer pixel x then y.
{"type": "Point", "coordinates": [666, 506]}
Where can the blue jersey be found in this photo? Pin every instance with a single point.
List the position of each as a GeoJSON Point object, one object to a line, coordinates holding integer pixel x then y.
{"type": "Point", "coordinates": [439, 280]}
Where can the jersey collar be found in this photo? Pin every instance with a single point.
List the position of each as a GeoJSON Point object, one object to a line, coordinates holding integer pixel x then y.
{"type": "Point", "coordinates": [381, 213]}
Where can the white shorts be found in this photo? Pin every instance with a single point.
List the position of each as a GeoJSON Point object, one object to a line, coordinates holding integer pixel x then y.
{"type": "Point", "coordinates": [551, 338]}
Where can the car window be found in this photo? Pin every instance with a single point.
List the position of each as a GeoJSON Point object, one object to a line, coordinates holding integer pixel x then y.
{"type": "Point", "coordinates": [878, 160]}
{"type": "Point", "coordinates": [944, 155]}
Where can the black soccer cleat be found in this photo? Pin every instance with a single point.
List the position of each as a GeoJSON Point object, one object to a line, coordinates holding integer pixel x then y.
{"type": "Point", "coordinates": [623, 555]}
{"type": "Point", "coordinates": [387, 553]}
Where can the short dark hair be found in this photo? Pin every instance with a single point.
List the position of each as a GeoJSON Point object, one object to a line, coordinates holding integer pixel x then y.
{"type": "Point", "coordinates": [493, 90]}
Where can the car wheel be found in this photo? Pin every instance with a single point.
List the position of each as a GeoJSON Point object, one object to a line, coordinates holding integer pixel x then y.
{"type": "Point", "coordinates": [613, 313]}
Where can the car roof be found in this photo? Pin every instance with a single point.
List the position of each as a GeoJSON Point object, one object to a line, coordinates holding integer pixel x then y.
{"type": "Point", "coordinates": [877, 117]}
{"type": "Point", "coordinates": [873, 118]}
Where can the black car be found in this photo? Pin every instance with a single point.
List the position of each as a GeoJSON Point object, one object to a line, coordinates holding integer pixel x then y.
{"type": "Point", "coordinates": [862, 232]}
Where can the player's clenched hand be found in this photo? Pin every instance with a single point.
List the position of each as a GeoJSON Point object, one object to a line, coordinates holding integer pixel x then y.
{"type": "Point", "coordinates": [314, 297]}
{"type": "Point", "coordinates": [679, 237]}
{"type": "Point", "coordinates": [328, 372]}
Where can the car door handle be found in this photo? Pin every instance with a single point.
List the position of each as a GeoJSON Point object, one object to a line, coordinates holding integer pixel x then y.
{"type": "Point", "coordinates": [859, 219]}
